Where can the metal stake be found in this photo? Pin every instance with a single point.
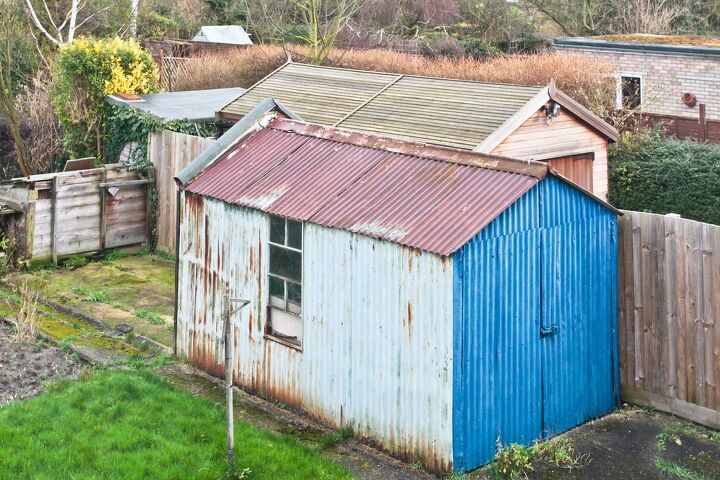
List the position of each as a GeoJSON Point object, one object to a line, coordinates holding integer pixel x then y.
{"type": "Point", "coordinates": [229, 354]}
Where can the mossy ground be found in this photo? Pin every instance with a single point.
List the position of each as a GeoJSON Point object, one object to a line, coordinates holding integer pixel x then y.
{"type": "Point", "coordinates": [110, 290]}
{"type": "Point", "coordinates": [65, 328]}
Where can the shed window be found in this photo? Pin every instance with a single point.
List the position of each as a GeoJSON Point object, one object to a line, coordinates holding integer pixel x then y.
{"type": "Point", "coordinates": [285, 280]}
{"type": "Point", "coordinates": [630, 91]}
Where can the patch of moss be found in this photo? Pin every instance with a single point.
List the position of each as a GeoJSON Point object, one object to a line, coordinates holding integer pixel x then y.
{"type": "Point", "coordinates": [686, 40]}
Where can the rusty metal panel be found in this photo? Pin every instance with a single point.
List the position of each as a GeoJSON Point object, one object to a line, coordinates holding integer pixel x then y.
{"type": "Point", "coordinates": [378, 342]}
{"type": "Point", "coordinates": [422, 202]}
{"type": "Point", "coordinates": [377, 326]}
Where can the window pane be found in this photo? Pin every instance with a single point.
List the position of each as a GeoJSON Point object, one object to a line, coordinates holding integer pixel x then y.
{"type": "Point", "coordinates": [277, 292]}
{"type": "Point", "coordinates": [277, 230]}
{"type": "Point", "coordinates": [285, 263]}
{"type": "Point", "coordinates": [294, 297]}
{"type": "Point", "coordinates": [631, 94]}
{"type": "Point", "coordinates": [294, 234]}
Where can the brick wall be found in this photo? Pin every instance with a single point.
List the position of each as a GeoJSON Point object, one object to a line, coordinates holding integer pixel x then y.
{"type": "Point", "coordinates": [666, 77]}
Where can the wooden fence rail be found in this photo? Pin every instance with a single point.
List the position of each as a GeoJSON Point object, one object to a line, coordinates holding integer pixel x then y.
{"type": "Point", "coordinates": [669, 299]}
{"type": "Point", "coordinates": [169, 153]}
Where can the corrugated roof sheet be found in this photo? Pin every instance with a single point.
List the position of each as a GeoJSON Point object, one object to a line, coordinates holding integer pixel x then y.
{"type": "Point", "coordinates": [430, 198]}
{"type": "Point", "coordinates": [316, 94]}
{"type": "Point", "coordinates": [455, 113]}
{"type": "Point", "coordinates": [230, 34]}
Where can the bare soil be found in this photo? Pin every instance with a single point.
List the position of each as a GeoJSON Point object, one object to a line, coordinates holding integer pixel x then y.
{"type": "Point", "coordinates": [25, 369]}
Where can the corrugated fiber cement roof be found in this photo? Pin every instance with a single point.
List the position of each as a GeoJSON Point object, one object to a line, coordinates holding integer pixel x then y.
{"type": "Point", "coordinates": [431, 198]}
{"type": "Point", "coordinates": [441, 111]}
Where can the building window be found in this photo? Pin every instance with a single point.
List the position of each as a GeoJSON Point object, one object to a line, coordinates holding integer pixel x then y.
{"type": "Point", "coordinates": [285, 280]}
{"type": "Point", "coordinates": [630, 91]}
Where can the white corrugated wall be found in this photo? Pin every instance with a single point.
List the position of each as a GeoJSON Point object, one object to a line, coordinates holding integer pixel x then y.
{"type": "Point", "coordinates": [377, 320]}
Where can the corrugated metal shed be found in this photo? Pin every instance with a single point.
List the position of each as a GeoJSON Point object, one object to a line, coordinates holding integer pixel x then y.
{"type": "Point", "coordinates": [535, 293]}
{"type": "Point", "coordinates": [442, 111]}
{"type": "Point", "coordinates": [230, 34]}
{"type": "Point", "coordinates": [434, 200]}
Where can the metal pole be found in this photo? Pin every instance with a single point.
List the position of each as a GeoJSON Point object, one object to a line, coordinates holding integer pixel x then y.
{"type": "Point", "coordinates": [229, 355]}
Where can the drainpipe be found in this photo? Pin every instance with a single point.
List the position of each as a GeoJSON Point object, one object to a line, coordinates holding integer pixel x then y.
{"type": "Point", "coordinates": [177, 266]}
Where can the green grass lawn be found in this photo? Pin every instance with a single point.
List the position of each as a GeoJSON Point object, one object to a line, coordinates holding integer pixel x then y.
{"type": "Point", "coordinates": [133, 425]}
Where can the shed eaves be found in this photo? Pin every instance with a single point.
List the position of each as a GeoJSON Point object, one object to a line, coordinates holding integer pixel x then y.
{"type": "Point", "coordinates": [455, 113]}
{"type": "Point", "coordinates": [431, 198]}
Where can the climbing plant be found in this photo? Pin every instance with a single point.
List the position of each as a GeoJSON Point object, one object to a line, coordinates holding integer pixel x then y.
{"type": "Point", "coordinates": [131, 127]}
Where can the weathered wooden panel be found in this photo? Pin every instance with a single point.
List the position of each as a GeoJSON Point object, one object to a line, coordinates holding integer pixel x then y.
{"type": "Point", "coordinates": [73, 214]}
{"type": "Point", "coordinates": [670, 299]}
{"type": "Point", "coordinates": [169, 153]}
{"type": "Point", "coordinates": [537, 140]}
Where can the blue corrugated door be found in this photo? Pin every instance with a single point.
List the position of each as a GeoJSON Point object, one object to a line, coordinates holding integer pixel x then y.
{"type": "Point", "coordinates": [577, 331]}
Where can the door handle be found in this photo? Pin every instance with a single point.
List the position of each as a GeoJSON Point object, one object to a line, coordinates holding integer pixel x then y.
{"type": "Point", "coordinates": [548, 331]}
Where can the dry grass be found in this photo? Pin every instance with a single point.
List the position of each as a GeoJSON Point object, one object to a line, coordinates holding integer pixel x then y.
{"type": "Point", "coordinates": [27, 316]}
{"type": "Point", "coordinates": [689, 40]}
{"type": "Point", "coordinates": [44, 144]}
{"type": "Point", "coordinates": [588, 80]}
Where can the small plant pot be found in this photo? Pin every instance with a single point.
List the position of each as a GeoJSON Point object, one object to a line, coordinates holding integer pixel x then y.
{"type": "Point", "coordinates": [689, 99]}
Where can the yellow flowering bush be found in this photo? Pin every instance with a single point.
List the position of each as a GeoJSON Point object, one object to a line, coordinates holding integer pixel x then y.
{"type": "Point", "coordinates": [85, 71]}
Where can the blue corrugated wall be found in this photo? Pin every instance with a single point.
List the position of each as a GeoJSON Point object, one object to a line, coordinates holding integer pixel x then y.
{"type": "Point", "coordinates": [535, 322]}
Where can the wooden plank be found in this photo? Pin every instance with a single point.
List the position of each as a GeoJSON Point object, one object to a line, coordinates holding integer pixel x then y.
{"type": "Point", "coordinates": [707, 282]}
{"type": "Point", "coordinates": [622, 317]}
{"type": "Point", "coordinates": [702, 415]}
{"type": "Point", "coordinates": [53, 220]}
{"type": "Point", "coordinates": [149, 205]}
{"type": "Point", "coordinates": [691, 269]}
{"type": "Point", "coordinates": [103, 211]}
{"type": "Point", "coordinates": [12, 203]}
{"type": "Point", "coordinates": [671, 316]}
{"type": "Point", "coordinates": [638, 300]}
{"type": "Point", "coordinates": [682, 327]}
{"type": "Point", "coordinates": [127, 183]}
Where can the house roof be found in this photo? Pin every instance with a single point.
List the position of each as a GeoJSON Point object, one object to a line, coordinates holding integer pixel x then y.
{"type": "Point", "coordinates": [669, 44]}
{"type": "Point", "coordinates": [455, 113]}
{"type": "Point", "coordinates": [231, 34]}
{"type": "Point", "coordinates": [195, 105]}
{"type": "Point", "coordinates": [423, 196]}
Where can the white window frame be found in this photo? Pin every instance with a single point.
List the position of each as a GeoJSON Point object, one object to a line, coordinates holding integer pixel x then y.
{"type": "Point", "coordinates": [269, 329]}
{"type": "Point", "coordinates": [619, 85]}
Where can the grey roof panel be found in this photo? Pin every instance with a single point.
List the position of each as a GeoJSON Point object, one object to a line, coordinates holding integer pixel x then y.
{"type": "Point", "coordinates": [194, 105]}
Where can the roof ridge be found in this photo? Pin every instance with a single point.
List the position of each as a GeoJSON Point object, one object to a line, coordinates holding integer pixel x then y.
{"type": "Point", "coordinates": [411, 75]}
{"type": "Point", "coordinates": [408, 147]}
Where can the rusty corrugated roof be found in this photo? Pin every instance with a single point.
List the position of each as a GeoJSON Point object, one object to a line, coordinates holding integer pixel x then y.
{"type": "Point", "coordinates": [427, 197]}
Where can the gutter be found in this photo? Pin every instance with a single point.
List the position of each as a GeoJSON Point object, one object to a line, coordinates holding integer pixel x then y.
{"type": "Point", "coordinates": [636, 47]}
{"type": "Point", "coordinates": [177, 269]}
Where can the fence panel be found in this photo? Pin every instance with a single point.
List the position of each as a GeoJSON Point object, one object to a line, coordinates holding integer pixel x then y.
{"type": "Point", "coordinates": [78, 212]}
{"type": "Point", "coordinates": [669, 303]}
{"type": "Point", "coordinates": [169, 153]}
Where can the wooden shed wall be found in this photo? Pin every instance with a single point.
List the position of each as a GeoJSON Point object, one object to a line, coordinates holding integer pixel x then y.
{"type": "Point", "coordinates": [536, 140]}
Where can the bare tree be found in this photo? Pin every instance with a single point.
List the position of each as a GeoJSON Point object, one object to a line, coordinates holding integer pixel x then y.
{"type": "Point", "coordinates": [324, 19]}
{"type": "Point", "coordinates": [8, 105]}
{"type": "Point", "coordinates": [59, 32]}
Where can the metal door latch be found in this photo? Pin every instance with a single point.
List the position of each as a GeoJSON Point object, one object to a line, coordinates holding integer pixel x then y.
{"type": "Point", "coordinates": [548, 331]}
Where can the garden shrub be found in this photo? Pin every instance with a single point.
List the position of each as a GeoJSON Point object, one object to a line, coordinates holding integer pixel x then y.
{"type": "Point", "coordinates": [85, 71]}
{"type": "Point", "coordinates": [653, 173]}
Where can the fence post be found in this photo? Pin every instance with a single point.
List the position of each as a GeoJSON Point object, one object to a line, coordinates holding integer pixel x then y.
{"type": "Point", "coordinates": [53, 221]}
{"type": "Point", "coordinates": [703, 126]}
{"type": "Point", "coordinates": [103, 209]}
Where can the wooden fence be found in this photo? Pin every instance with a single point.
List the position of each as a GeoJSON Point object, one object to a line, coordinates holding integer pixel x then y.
{"type": "Point", "coordinates": [169, 153]}
{"type": "Point", "coordinates": [669, 321]}
{"type": "Point", "coordinates": [699, 128]}
{"type": "Point", "coordinates": [62, 214]}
